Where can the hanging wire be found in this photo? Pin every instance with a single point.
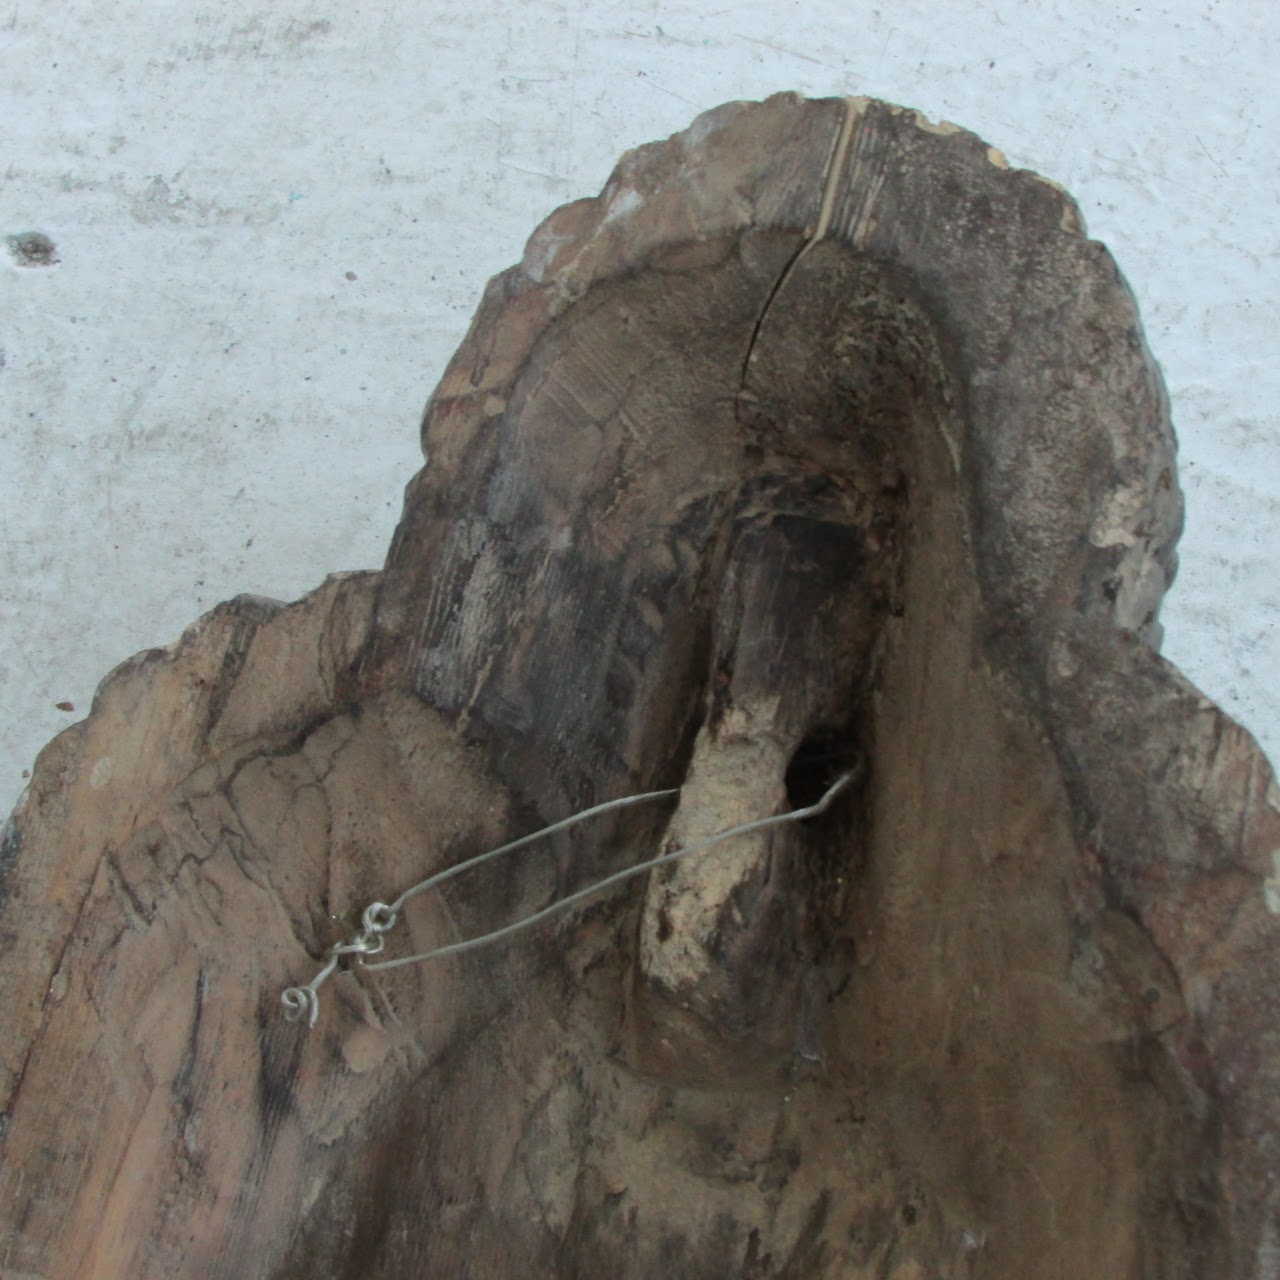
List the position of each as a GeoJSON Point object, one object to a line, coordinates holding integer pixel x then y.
{"type": "Point", "coordinates": [379, 917]}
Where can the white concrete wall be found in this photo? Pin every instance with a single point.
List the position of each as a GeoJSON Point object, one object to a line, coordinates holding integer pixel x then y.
{"type": "Point", "coordinates": [273, 220]}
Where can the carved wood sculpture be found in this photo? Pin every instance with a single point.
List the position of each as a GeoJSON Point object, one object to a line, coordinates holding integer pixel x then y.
{"type": "Point", "coordinates": [820, 440]}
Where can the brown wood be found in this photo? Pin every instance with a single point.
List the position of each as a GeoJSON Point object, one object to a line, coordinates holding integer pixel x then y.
{"type": "Point", "coordinates": [820, 440]}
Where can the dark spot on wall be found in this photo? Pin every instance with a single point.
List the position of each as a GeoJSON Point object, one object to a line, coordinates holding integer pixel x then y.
{"type": "Point", "coordinates": [32, 249]}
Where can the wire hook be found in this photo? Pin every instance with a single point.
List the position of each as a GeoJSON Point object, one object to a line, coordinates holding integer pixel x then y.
{"type": "Point", "coordinates": [379, 917]}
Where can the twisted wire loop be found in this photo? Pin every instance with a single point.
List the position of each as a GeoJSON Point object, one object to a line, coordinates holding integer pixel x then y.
{"type": "Point", "coordinates": [304, 1002]}
{"type": "Point", "coordinates": [379, 917]}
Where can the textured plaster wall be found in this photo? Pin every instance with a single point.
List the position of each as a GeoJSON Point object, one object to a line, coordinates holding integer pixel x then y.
{"type": "Point", "coordinates": [272, 222]}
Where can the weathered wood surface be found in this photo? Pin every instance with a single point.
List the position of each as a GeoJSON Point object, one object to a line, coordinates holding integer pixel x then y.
{"type": "Point", "coordinates": [820, 439]}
